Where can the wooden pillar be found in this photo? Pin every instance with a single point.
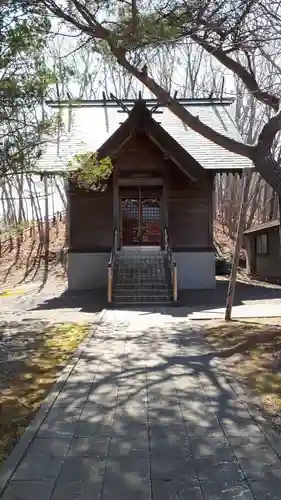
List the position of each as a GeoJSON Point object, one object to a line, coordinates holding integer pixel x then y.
{"type": "Point", "coordinates": [68, 221]}
{"type": "Point", "coordinates": [47, 222]}
{"type": "Point", "coordinates": [211, 203]}
{"type": "Point", "coordinates": [165, 199]}
{"type": "Point", "coordinates": [116, 208]}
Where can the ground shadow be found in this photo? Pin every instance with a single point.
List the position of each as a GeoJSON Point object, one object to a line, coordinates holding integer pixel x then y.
{"type": "Point", "coordinates": [189, 300]}
{"type": "Point", "coordinates": [245, 291]}
{"type": "Point", "coordinates": [132, 422]}
{"type": "Point", "coordinates": [89, 301]}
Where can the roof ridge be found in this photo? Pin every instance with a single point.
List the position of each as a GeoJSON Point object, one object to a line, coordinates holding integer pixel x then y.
{"type": "Point", "coordinates": [112, 103]}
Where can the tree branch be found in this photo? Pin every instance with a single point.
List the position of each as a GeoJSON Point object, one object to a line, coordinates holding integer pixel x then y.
{"type": "Point", "coordinates": [269, 131]}
{"type": "Point", "coordinates": [134, 15]}
{"type": "Point", "coordinates": [182, 113]}
{"type": "Point", "coordinates": [247, 78]}
{"type": "Point", "coordinates": [62, 14]}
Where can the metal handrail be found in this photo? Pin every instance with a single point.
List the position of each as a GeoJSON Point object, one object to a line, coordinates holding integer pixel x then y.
{"type": "Point", "coordinates": [172, 265]}
{"type": "Point", "coordinates": [110, 266]}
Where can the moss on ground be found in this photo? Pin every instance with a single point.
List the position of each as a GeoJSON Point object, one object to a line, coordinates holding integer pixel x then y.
{"type": "Point", "coordinates": [30, 376]}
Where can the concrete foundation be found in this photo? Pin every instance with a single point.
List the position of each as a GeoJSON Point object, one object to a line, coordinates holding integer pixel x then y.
{"type": "Point", "coordinates": [196, 270]}
{"type": "Point", "coordinates": [87, 271]}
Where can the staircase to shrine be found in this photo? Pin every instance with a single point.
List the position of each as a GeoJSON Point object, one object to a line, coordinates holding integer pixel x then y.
{"type": "Point", "coordinates": [141, 275]}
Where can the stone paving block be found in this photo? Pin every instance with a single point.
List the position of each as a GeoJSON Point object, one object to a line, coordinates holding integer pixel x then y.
{"type": "Point", "coordinates": [84, 377]}
{"type": "Point", "coordinates": [170, 414]}
{"type": "Point", "coordinates": [256, 470]}
{"type": "Point", "coordinates": [128, 427]}
{"type": "Point", "coordinates": [119, 452]}
{"type": "Point", "coordinates": [127, 445]}
{"type": "Point", "coordinates": [199, 407]}
{"type": "Point", "coordinates": [203, 441]}
{"type": "Point", "coordinates": [168, 468]}
{"type": "Point", "coordinates": [132, 394]}
{"type": "Point", "coordinates": [59, 423]}
{"type": "Point", "coordinates": [272, 437]}
{"type": "Point", "coordinates": [131, 406]}
{"type": "Point", "coordinates": [251, 441]}
{"type": "Point", "coordinates": [28, 490]}
{"type": "Point", "coordinates": [110, 399]}
{"type": "Point", "coordinates": [263, 490]}
{"type": "Point", "coordinates": [125, 487]}
{"type": "Point", "coordinates": [85, 469]}
{"type": "Point", "coordinates": [97, 410]}
{"type": "Point", "coordinates": [186, 391]}
{"type": "Point", "coordinates": [176, 490]}
{"type": "Point", "coordinates": [53, 447]}
{"type": "Point", "coordinates": [35, 467]}
{"type": "Point", "coordinates": [101, 390]}
{"type": "Point", "coordinates": [264, 454]}
{"type": "Point", "coordinates": [131, 465]}
{"type": "Point", "coordinates": [97, 445]}
{"type": "Point", "coordinates": [207, 428]}
{"type": "Point", "coordinates": [166, 427]}
{"type": "Point", "coordinates": [66, 399]}
{"type": "Point", "coordinates": [156, 400]}
{"type": "Point", "coordinates": [74, 390]}
{"type": "Point", "coordinates": [133, 433]}
{"type": "Point", "coordinates": [213, 490]}
{"type": "Point", "coordinates": [172, 445]}
{"type": "Point", "coordinates": [225, 473]}
{"type": "Point", "coordinates": [78, 490]}
{"type": "Point", "coordinates": [123, 418]}
{"type": "Point", "coordinates": [90, 425]}
{"type": "Point", "coordinates": [243, 430]}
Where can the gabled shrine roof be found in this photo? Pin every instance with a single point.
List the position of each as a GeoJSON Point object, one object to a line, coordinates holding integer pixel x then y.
{"type": "Point", "coordinates": [89, 124]}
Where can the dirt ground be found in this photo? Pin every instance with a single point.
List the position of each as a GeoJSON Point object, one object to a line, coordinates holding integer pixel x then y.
{"type": "Point", "coordinates": [27, 261]}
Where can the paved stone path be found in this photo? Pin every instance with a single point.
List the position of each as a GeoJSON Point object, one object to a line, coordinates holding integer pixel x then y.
{"type": "Point", "coordinates": [146, 415]}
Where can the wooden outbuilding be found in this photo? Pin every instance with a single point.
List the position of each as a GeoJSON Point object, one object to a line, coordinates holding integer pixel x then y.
{"type": "Point", "coordinates": [263, 248]}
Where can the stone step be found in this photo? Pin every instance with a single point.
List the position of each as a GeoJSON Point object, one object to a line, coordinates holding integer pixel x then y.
{"type": "Point", "coordinates": [141, 278]}
{"type": "Point", "coordinates": [139, 292]}
{"type": "Point", "coordinates": [140, 283]}
{"type": "Point", "coordinates": [142, 286]}
{"type": "Point", "coordinates": [149, 299]}
{"type": "Point", "coordinates": [140, 265]}
{"type": "Point", "coordinates": [145, 270]}
{"type": "Point", "coordinates": [134, 258]}
{"type": "Point", "coordinates": [143, 253]}
{"type": "Point", "coordinates": [147, 276]}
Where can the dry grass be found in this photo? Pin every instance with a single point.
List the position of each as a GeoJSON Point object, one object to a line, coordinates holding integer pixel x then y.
{"type": "Point", "coordinates": [252, 351]}
{"type": "Point", "coordinates": [32, 356]}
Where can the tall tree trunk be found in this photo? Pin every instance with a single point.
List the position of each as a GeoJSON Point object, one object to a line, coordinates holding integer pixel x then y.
{"type": "Point", "coordinates": [268, 168]}
{"type": "Point", "coordinates": [238, 243]}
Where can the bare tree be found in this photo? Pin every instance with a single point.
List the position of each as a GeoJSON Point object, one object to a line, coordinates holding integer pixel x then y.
{"type": "Point", "coordinates": [223, 29]}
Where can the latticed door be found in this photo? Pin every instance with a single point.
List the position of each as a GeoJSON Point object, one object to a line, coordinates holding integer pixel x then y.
{"type": "Point", "coordinates": [150, 221]}
{"type": "Point", "coordinates": [141, 219]}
